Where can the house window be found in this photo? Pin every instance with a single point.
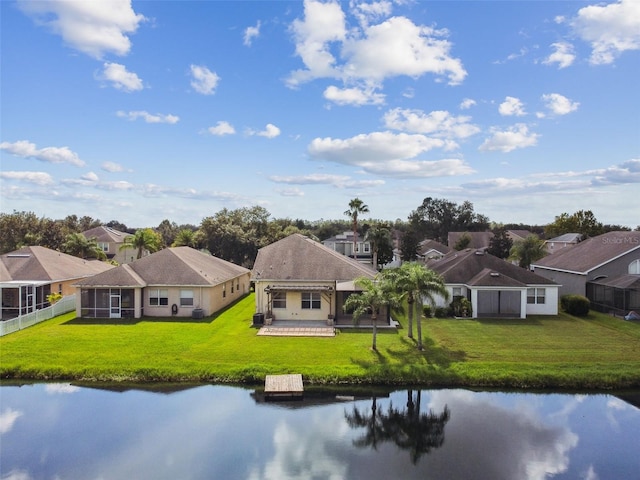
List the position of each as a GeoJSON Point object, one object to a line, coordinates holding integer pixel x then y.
{"type": "Point", "coordinates": [279, 299]}
{"type": "Point", "coordinates": [186, 298]}
{"type": "Point", "coordinates": [231, 286]}
{"type": "Point", "coordinates": [634, 267]}
{"type": "Point", "coordinates": [536, 296]}
{"type": "Point", "coordinates": [457, 291]}
{"type": "Point", "coordinates": [158, 297]}
{"type": "Point", "coordinates": [310, 300]}
{"type": "Point", "coordinates": [367, 248]}
{"type": "Point", "coordinates": [224, 290]}
{"type": "Point", "coordinates": [104, 246]}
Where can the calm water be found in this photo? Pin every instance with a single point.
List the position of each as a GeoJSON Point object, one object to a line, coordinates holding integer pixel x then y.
{"type": "Point", "coordinates": [60, 431]}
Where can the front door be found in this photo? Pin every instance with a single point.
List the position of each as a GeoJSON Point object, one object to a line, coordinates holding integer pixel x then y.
{"type": "Point", "coordinates": [115, 306]}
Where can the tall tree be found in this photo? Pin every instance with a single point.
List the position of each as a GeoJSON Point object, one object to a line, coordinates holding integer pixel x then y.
{"type": "Point", "coordinates": [376, 296]}
{"type": "Point", "coordinates": [500, 244]}
{"type": "Point", "coordinates": [356, 207]}
{"type": "Point", "coordinates": [409, 244]}
{"type": "Point", "coordinates": [435, 218]}
{"type": "Point", "coordinates": [379, 235]}
{"type": "Point", "coordinates": [185, 238]}
{"type": "Point", "coordinates": [78, 245]}
{"type": "Point", "coordinates": [143, 239]}
{"type": "Point", "coordinates": [582, 221]}
{"type": "Point", "coordinates": [416, 283]}
{"type": "Point", "coordinates": [527, 251]}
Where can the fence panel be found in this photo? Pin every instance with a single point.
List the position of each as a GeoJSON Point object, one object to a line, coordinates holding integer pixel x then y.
{"type": "Point", "coordinates": [66, 304]}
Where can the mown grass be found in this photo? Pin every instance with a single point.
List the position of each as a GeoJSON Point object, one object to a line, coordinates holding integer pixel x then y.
{"type": "Point", "coordinates": [596, 352]}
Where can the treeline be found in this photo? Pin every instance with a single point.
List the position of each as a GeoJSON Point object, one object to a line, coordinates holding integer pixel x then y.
{"type": "Point", "coordinates": [236, 235]}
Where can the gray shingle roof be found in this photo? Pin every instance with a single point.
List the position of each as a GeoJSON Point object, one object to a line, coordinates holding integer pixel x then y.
{"type": "Point", "coordinates": [106, 234]}
{"type": "Point", "coordinates": [591, 253]}
{"type": "Point", "coordinates": [428, 245]}
{"type": "Point", "coordinates": [171, 266]}
{"type": "Point", "coordinates": [478, 239]}
{"type": "Point", "coordinates": [297, 257]}
{"type": "Point", "coordinates": [474, 265]}
{"type": "Point", "coordinates": [44, 264]}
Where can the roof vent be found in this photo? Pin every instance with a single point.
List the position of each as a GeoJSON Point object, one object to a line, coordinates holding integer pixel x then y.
{"type": "Point", "coordinates": [479, 252]}
{"type": "Point", "coordinates": [18, 255]}
{"type": "Point", "coordinates": [495, 274]}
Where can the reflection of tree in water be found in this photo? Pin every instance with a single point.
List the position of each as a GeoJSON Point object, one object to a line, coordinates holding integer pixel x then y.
{"type": "Point", "coordinates": [409, 428]}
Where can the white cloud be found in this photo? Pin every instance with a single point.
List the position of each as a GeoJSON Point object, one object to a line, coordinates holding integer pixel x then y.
{"type": "Point", "coordinates": [58, 388]}
{"type": "Point", "coordinates": [388, 154]}
{"type": "Point", "coordinates": [338, 181]}
{"type": "Point", "coordinates": [353, 96]}
{"type": "Point", "coordinates": [369, 53]}
{"type": "Point", "coordinates": [90, 177]}
{"type": "Point", "coordinates": [8, 418]}
{"type": "Point", "coordinates": [291, 192]}
{"type": "Point", "coordinates": [112, 167]}
{"type": "Point", "coordinates": [439, 123]}
{"type": "Point", "coordinates": [368, 12]}
{"type": "Point", "coordinates": [270, 131]}
{"type": "Point", "coordinates": [39, 178]}
{"type": "Point", "coordinates": [94, 28]}
{"type": "Point", "coordinates": [120, 77]}
{"type": "Point", "coordinates": [148, 117]}
{"type": "Point", "coordinates": [610, 29]}
{"type": "Point", "coordinates": [512, 106]}
{"type": "Point", "coordinates": [559, 104]}
{"type": "Point", "coordinates": [26, 149]}
{"type": "Point", "coordinates": [250, 33]}
{"type": "Point", "coordinates": [508, 140]}
{"type": "Point", "coordinates": [626, 173]}
{"type": "Point", "coordinates": [563, 55]}
{"type": "Point", "coordinates": [467, 103]}
{"type": "Point", "coordinates": [222, 128]}
{"type": "Point", "coordinates": [204, 80]}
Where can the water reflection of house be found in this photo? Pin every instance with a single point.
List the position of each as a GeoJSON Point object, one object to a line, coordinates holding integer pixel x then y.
{"type": "Point", "coordinates": [30, 274]}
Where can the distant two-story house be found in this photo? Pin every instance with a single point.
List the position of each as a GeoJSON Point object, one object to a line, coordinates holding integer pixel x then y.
{"type": "Point", "coordinates": [110, 241]}
{"type": "Point", "coordinates": [556, 244]}
{"type": "Point", "coordinates": [343, 244]}
{"type": "Point", "coordinates": [605, 269]}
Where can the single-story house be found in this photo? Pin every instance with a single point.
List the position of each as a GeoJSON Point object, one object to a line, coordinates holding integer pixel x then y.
{"type": "Point", "coordinates": [28, 275]}
{"type": "Point", "coordinates": [495, 287]}
{"type": "Point", "coordinates": [297, 278]}
{"type": "Point", "coordinates": [110, 241]}
{"type": "Point", "coordinates": [430, 249]}
{"type": "Point", "coordinates": [179, 281]}
{"type": "Point", "coordinates": [556, 244]}
{"type": "Point", "coordinates": [597, 265]}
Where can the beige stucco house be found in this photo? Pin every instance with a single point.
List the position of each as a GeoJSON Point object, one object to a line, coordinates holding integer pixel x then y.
{"type": "Point", "coordinates": [110, 240]}
{"type": "Point", "coordinates": [299, 279]}
{"type": "Point", "coordinates": [180, 281]}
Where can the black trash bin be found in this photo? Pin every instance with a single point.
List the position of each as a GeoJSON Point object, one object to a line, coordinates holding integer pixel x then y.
{"type": "Point", "coordinates": [258, 318]}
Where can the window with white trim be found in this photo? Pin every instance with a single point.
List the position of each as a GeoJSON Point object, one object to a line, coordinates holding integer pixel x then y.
{"type": "Point", "coordinates": [536, 296]}
{"type": "Point", "coordinates": [104, 246]}
{"type": "Point", "coordinates": [279, 299]}
{"type": "Point", "coordinates": [311, 301]}
{"type": "Point", "coordinates": [186, 298]}
{"type": "Point", "coordinates": [634, 267]}
{"type": "Point", "coordinates": [158, 297]}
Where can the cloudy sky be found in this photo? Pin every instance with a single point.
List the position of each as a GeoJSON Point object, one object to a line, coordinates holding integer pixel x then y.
{"type": "Point", "coordinates": [152, 110]}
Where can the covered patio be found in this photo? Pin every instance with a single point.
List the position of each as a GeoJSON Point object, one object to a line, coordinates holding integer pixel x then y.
{"type": "Point", "coordinates": [20, 297]}
{"type": "Point", "coordinates": [616, 295]}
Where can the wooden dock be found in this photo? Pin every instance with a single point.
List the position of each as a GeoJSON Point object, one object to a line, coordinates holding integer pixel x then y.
{"type": "Point", "coordinates": [283, 387]}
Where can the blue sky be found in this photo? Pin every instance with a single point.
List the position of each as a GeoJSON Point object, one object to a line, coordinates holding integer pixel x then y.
{"type": "Point", "coordinates": [153, 110]}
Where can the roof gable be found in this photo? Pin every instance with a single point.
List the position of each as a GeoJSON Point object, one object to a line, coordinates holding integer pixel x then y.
{"type": "Point", "coordinates": [106, 234]}
{"type": "Point", "coordinates": [475, 265]}
{"type": "Point", "coordinates": [297, 257]}
{"type": "Point", "coordinates": [592, 253]}
{"type": "Point", "coordinates": [41, 263]}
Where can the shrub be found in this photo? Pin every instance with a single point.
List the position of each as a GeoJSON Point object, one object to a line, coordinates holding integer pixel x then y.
{"type": "Point", "coordinates": [442, 312]}
{"type": "Point", "coordinates": [427, 311]}
{"type": "Point", "coordinates": [461, 307]}
{"type": "Point", "coordinates": [575, 304]}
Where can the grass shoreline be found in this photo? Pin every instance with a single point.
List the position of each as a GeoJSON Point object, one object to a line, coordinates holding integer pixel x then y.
{"type": "Point", "coordinates": [596, 353]}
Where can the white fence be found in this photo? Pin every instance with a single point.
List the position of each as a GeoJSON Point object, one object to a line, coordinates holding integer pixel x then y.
{"type": "Point", "coordinates": [66, 304]}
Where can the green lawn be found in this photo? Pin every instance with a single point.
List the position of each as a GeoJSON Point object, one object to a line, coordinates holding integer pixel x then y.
{"type": "Point", "coordinates": [560, 352]}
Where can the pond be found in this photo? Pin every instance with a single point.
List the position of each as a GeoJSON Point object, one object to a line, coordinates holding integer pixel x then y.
{"type": "Point", "coordinates": [62, 431]}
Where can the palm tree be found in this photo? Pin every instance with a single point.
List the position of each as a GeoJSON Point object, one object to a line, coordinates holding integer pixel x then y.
{"type": "Point", "coordinates": [356, 207]}
{"type": "Point", "coordinates": [417, 283]}
{"type": "Point", "coordinates": [376, 295]}
{"type": "Point", "coordinates": [378, 235]}
{"type": "Point", "coordinates": [78, 245]}
{"type": "Point", "coordinates": [185, 238]}
{"type": "Point", "coordinates": [143, 239]}
{"type": "Point", "coordinates": [527, 251]}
